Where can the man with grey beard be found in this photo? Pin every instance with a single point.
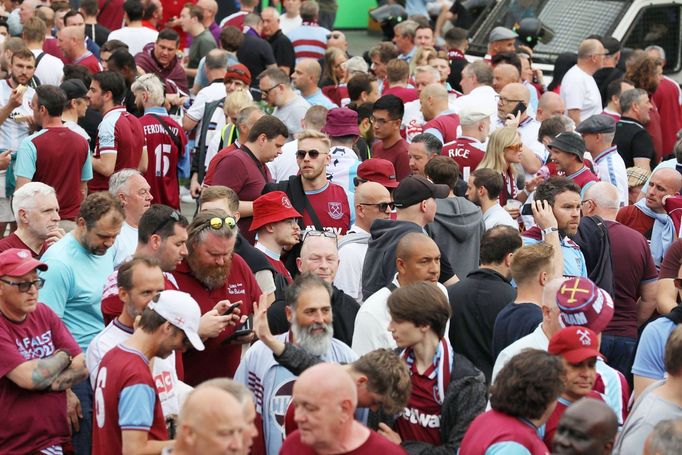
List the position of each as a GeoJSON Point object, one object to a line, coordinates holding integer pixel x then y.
{"type": "Point", "coordinates": [213, 273]}
{"type": "Point", "coordinates": [309, 311]}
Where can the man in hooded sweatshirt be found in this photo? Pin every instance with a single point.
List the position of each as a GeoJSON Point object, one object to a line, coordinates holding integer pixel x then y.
{"type": "Point", "coordinates": [458, 226]}
{"type": "Point", "coordinates": [415, 201]}
{"type": "Point", "coordinates": [160, 58]}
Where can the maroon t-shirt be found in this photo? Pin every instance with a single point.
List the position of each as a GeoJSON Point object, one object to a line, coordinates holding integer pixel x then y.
{"type": "Point", "coordinates": [632, 266]}
{"type": "Point", "coordinates": [636, 219]}
{"type": "Point", "coordinates": [465, 153]}
{"type": "Point", "coordinates": [111, 16]}
{"type": "Point", "coordinates": [667, 98]}
{"type": "Point", "coordinates": [446, 124]}
{"type": "Point", "coordinates": [51, 46]}
{"type": "Point", "coordinates": [60, 157]}
{"type": "Point", "coordinates": [245, 175]}
{"type": "Point", "coordinates": [13, 241]}
{"type": "Point", "coordinates": [163, 156]}
{"type": "Point", "coordinates": [396, 154]}
{"type": "Point", "coordinates": [670, 267]}
{"type": "Point", "coordinates": [89, 61]}
{"type": "Point", "coordinates": [583, 177]}
{"type": "Point", "coordinates": [331, 207]}
{"type": "Point", "coordinates": [219, 359]}
{"type": "Point", "coordinates": [375, 445]}
{"type": "Point", "coordinates": [35, 419]}
{"type": "Point", "coordinates": [405, 94]}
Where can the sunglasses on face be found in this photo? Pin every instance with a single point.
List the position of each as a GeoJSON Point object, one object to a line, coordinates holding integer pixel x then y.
{"type": "Point", "coordinates": [514, 147]}
{"type": "Point", "coordinates": [382, 206]}
{"type": "Point", "coordinates": [174, 216]}
{"type": "Point", "coordinates": [313, 154]}
{"type": "Point", "coordinates": [25, 286]}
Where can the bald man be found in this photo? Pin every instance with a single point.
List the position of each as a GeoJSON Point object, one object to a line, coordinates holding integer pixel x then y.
{"type": "Point", "coordinates": [550, 104]}
{"type": "Point", "coordinates": [372, 202]}
{"type": "Point", "coordinates": [440, 120]}
{"type": "Point", "coordinates": [504, 74]}
{"type": "Point", "coordinates": [210, 9]}
{"type": "Point", "coordinates": [588, 427]}
{"type": "Point", "coordinates": [648, 216]}
{"type": "Point", "coordinates": [633, 269]}
{"type": "Point", "coordinates": [211, 422]}
{"type": "Point", "coordinates": [72, 44]}
{"type": "Point", "coordinates": [578, 88]}
{"type": "Point", "coordinates": [417, 260]}
{"type": "Point", "coordinates": [305, 78]}
{"type": "Point", "coordinates": [27, 9]}
{"type": "Point", "coordinates": [325, 399]}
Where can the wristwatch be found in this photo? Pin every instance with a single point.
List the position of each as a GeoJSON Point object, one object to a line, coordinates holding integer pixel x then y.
{"type": "Point", "coordinates": [549, 230]}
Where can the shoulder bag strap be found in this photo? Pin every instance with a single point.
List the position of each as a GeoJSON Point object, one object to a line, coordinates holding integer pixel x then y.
{"type": "Point", "coordinates": [176, 139]}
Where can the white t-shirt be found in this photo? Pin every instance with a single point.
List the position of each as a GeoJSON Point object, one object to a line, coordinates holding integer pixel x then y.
{"type": "Point", "coordinates": [125, 244]}
{"type": "Point", "coordinates": [50, 70]}
{"type": "Point", "coordinates": [285, 165]}
{"type": "Point", "coordinates": [135, 37]}
{"type": "Point", "coordinates": [168, 386]}
{"type": "Point", "coordinates": [413, 120]}
{"type": "Point", "coordinates": [351, 260]}
{"type": "Point", "coordinates": [287, 24]}
{"type": "Point", "coordinates": [496, 216]}
{"type": "Point", "coordinates": [580, 91]}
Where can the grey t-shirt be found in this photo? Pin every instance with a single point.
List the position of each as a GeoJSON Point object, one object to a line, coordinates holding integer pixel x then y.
{"type": "Point", "coordinates": [646, 413]}
{"type": "Point", "coordinates": [292, 114]}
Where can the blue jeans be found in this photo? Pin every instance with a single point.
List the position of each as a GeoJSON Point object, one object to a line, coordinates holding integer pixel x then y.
{"type": "Point", "coordinates": [82, 440]}
{"type": "Point", "coordinates": [620, 353]}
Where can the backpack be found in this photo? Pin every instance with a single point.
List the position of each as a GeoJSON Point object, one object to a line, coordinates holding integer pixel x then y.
{"type": "Point", "coordinates": [593, 239]}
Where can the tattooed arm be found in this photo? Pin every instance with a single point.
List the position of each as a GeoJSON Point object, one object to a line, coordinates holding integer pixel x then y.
{"type": "Point", "coordinates": [74, 374]}
{"type": "Point", "coordinates": [38, 374]}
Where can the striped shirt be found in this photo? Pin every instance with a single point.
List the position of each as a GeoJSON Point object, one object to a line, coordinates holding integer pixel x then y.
{"type": "Point", "coordinates": [309, 40]}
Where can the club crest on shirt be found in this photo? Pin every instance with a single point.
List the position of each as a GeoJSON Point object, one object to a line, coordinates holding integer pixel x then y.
{"type": "Point", "coordinates": [335, 210]}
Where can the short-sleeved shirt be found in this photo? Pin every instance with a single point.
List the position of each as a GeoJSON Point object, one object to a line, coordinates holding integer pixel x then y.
{"type": "Point", "coordinates": [282, 48]}
{"type": "Point", "coordinates": [135, 37]}
{"type": "Point", "coordinates": [467, 152]}
{"type": "Point", "coordinates": [633, 141]}
{"type": "Point", "coordinates": [404, 93]}
{"type": "Point", "coordinates": [561, 406]}
{"type": "Point", "coordinates": [12, 132]}
{"type": "Point", "coordinates": [50, 156]}
{"type": "Point", "coordinates": [256, 54]}
{"type": "Point", "coordinates": [583, 177]}
{"type": "Point", "coordinates": [331, 207]}
{"type": "Point", "coordinates": [633, 265]}
{"type": "Point", "coordinates": [633, 217]}
{"type": "Point", "coordinates": [111, 15]}
{"type": "Point", "coordinates": [201, 45]}
{"type": "Point", "coordinates": [670, 267]}
{"type": "Point", "coordinates": [309, 40]}
{"type": "Point", "coordinates": [73, 286]}
{"type": "Point", "coordinates": [494, 432]}
{"type": "Point", "coordinates": [291, 114]}
{"type": "Point", "coordinates": [375, 444]}
{"type": "Point", "coordinates": [444, 127]}
{"type": "Point", "coordinates": [396, 154]}
{"type": "Point", "coordinates": [120, 133]}
{"type": "Point", "coordinates": [35, 419]}
{"type": "Point", "coordinates": [579, 91]}
{"type": "Point", "coordinates": [610, 167]}
{"type": "Point", "coordinates": [648, 361]}
{"type": "Point", "coordinates": [125, 399]}
{"type": "Point", "coordinates": [89, 61]}
{"type": "Point", "coordinates": [13, 241]}
{"type": "Point", "coordinates": [245, 175]}
{"type": "Point", "coordinates": [496, 215]}
{"type": "Point", "coordinates": [219, 359]}
{"type": "Point", "coordinates": [514, 321]}
{"type": "Point", "coordinates": [163, 157]}
{"type": "Point", "coordinates": [574, 260]}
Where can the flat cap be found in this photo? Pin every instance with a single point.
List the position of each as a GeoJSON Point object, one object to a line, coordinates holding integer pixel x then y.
{"type": "Point", "coordinates": [598, 123]}
{"type": "Point", "coordinates": [501, 33]}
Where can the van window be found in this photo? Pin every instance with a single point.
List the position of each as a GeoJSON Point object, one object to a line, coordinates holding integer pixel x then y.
{"type": "Point", "coordinates": [658, 25]}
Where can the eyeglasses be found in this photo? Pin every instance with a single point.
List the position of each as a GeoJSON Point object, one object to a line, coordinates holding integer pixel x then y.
{"type": "Point", "coordinates": [291, 221]}
{"type": "Point", "coordinates": [218, 223]}
{"type": "Point", "coordinates": [328, 234]}
{"type": "Point", "coordinates": [266, 91]}
{"type": "Point", "coordinates": [504, 101]}
{"type": "Point", "coordinates": [313, 154]}
{"type": "Point", "coordinates": [25, 286]}
{"type": "Point", "coordinates": [586, 201]}
{"type": "Point", "coordinates": [174, 216]}
{"type": "Point", "coordinates": [381, 121]}
{"type": "Point", "coordinates": [382, 206]}
{"type": "Point", "coordinates": [514, 147]}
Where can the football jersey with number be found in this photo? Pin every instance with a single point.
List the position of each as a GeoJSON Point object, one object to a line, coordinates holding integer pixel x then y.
{"type": "Point", "coordinates": [125, 399]}
{"type": "Point", "coordinates": [163, 154]}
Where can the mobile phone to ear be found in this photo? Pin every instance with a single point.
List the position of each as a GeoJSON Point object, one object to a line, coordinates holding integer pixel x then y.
{"type": "Point", "coordinates": [520, 107]}
{"type": "Point", "coordinates": [527, 209]}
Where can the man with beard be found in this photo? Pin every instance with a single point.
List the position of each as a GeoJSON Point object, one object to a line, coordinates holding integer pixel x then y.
{"type": "Point", "coordinates": [309, 310]}
{"type": "Point", "coordinates": [139, 280]}
{"type": "Point", "coordinates": [78, 266]}
{"type": "Point", "coordinates": [556, 210]}
{"type": "Point", "coordinates": [128, 411]}
{"type": "Point", "coordinates": [212, 273]}
{"type": "Point", "coordinates": [64, 159]}
{"type": "Point", "coordinates": [15, 115]}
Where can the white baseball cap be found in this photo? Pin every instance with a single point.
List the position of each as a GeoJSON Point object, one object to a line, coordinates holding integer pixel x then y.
{"type": "Point", "coordinates": [181, 310]}
{"type": "Point", "coordinates": [472, 113]}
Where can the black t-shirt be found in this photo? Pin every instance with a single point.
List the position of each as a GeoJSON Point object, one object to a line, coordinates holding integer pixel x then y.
{"type": "Point", "coordinates": [515, 321]}
{"type": "Point", "coordinates": [633, 141]}
{"type": "Point", "coordinates": [98, 33]}
{"type": "Point", "coordinates": [283, 50]}
{"type": "Point", "coordinates": [603, 77]}
{"type": "Point", "coordinates": [256, 54]}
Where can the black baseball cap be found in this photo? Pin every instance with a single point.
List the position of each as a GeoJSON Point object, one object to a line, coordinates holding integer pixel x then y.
{"type": "Point", "coordinates": [74, 88]}
{"type": "Point", "coordinates": [415, 189]}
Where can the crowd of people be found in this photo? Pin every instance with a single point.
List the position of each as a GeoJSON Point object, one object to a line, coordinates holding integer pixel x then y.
{"type": "Point", "coordinates": [399, 252]}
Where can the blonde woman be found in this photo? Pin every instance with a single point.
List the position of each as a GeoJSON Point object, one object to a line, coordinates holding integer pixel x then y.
{"type": "Point", "coordinates": [234, 103]}
{"type": "Point", "coordinates": [421, 57]}
{"type": "Point", "coordinates": [503, 155]}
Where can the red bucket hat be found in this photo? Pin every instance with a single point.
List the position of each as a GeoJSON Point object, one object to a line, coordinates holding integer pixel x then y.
{"type": "Point", "coordinates": [271, 208]}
